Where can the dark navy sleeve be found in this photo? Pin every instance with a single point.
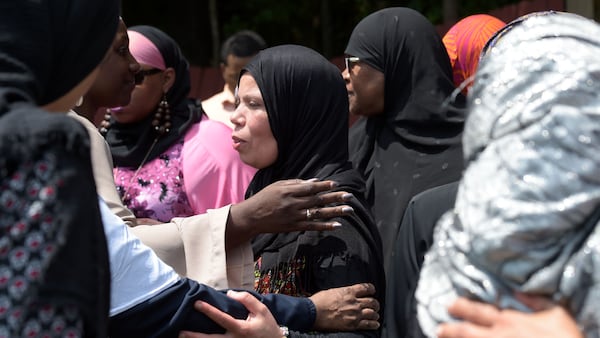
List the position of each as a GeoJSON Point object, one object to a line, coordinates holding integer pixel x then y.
{"type": "Point", "coordinates": [171, 311]}
{"type": "Point", "coordinates": [297, 313]}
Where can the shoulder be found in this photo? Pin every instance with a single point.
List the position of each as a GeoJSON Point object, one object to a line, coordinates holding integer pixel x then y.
{"type": "Point", "coordinates": [215, 128]}
{"type": "Point", "coordinates": [33, 131]}
{"type": "Point", "coordinates": [93, 133]}
{"type": "Point", "coordinates": [208, 144]}
{"type": "Point", "coordinates": [213, 99]}
{"type": "Point", "coordinates": [212, 104]}
{"type": "Point", "coordinates": [441, 196]}
{"type": "Point", "coordinates": [209, 134]}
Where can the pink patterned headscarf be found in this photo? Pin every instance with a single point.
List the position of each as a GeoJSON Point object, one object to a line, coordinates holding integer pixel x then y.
{"type": "Point", "coordinates": [464, 42]}
{"type": "Point", "coordinates": [144, 51]}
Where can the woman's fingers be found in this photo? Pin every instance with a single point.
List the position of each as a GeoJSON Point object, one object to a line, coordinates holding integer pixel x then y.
{"type": "Point", "coordinates": [462, 330]}
{"type": "Point", "coordinates": [300, 188]}
{"type": "Point", "coordinates": [315, 193]}
{"type": "Point", "coordinates": [250, 302]}
{"type": "Point", "coordinates": [474, 312]}
{"type": "Point", "coordinates": [366, 324]}
{"type": "Point", "coordinates": [323, 213]}
{"type": "Point", "coordinates": [218, 316]}
{"type": "Point", "coordinates": [536, 303]}
{"type": "Point", "coordinates": [365, 290]}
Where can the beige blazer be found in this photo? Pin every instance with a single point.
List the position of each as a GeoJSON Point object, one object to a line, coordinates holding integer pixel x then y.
{"type": "Point", "coordinates": [194, 246]}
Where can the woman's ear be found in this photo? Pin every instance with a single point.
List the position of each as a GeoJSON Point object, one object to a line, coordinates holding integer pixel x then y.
{"type": "Point", "coordinates": [169, 79]}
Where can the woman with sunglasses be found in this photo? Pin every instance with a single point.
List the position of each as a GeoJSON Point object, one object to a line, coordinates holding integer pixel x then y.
{"type": "Point", "coordinates": [170, 160]}
{"type": "Point", "coordinates": [183, 242]}
{"type": "Point", "coordinates": [192, 252]}
{"type": "Point", "coordinates": [155, 295]}
{"type": "Point", "coordinates": [397, 77]}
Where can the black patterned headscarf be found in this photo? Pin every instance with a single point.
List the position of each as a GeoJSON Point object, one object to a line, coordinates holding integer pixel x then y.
{"type": "Point", "coordinates": [53, 256]}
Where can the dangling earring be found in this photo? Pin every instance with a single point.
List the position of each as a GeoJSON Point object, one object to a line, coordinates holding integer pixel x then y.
{"type": "Point", "coordinates": [105, 124]}
{"type": "Point", "coordinates": [162, 118]}
{"type": "Point", "coordinates": [79, 102]}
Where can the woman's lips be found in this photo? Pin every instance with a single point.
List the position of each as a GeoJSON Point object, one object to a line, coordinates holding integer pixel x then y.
{"type": "Point", "coordinates": [237, 142]}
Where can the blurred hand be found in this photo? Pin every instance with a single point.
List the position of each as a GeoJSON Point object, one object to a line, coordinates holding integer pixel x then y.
{"type": "Point", "coordinates": [259, 324]}
{"type": "Point", "coordinates": [348, 308]}
{"type": "Point", "coordinates": [484, 320]}
{"type": "Point", "coordinates": [282, 207]}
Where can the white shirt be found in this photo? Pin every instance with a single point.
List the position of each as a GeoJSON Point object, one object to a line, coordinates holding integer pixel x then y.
{"type": "Point", "coordinates": [220, 106]}
{"type": "Point", "coordinates": [137, 274]}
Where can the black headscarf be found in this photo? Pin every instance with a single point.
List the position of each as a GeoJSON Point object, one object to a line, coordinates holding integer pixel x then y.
{"type": "Point", "coordinates": [46, 48]}
{"type": "Point", "coordinates": [289, 77]}
{"type": "Point", "coordinates": [42, 56]}
{"type": "Point", "coordinates": [310, 129]}
{"type": "Point", "coordinates": [130, 142]}
{"type": "Point", "coordinates": [416, 143]}
{"type": "Point", "coordinates": [307, 106]}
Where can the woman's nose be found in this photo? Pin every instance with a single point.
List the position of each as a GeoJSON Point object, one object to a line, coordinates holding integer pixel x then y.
{"type": "Point", "coordinates": [236, 117]}
{"type": "Point", "coordinates": [346, 75]}
{"type": "Point", "coordinates": [134, 67]}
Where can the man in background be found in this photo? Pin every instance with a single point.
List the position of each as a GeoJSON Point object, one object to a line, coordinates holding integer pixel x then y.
{"type": "Point", "coordinates": [236, 52]}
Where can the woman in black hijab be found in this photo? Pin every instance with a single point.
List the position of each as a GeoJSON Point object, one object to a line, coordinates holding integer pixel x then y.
{"type": "Point", "coordinates": [130, 142]}
{"type": "Point", "coordinates": [297, 97]}
{"type": "Point", "coordinates": [409, 143]}
{"type": "Point", "coordinates": [53, 259]}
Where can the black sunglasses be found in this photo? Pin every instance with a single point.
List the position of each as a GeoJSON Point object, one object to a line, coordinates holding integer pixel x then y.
{"type": "Point", "coordinates": [349, 62]}
{"type": "Point", "coordinates": [141, 75]}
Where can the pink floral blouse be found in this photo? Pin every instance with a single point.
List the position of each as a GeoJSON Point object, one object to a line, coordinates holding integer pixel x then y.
{"type": "Point", "coordinates": [157, 191]}
{"type": "Point", "coordinates": [199, 172]}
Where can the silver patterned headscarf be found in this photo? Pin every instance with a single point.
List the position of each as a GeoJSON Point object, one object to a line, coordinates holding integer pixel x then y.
{"type": "Point", "coordinates": [527, 213]}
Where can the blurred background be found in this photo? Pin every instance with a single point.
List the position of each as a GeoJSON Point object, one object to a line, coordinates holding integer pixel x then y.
{"type": "Point", "coordinates": [200, 26]}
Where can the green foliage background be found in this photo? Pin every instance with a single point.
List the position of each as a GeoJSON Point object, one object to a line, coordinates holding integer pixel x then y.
{"type": "Point", "coordinates": [323, 25]}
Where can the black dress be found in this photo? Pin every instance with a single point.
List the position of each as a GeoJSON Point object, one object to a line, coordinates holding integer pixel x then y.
{"type": "Point", "coordinates": [413, 240]}
{"type": "Point", "coordinates": [415, 144]}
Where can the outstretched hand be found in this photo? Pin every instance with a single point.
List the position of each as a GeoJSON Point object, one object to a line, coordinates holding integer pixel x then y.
{"type": "Point", "coordinates": [485, 320]}
{"type": "Point", "coordinates": [286, 206]}
{"type": "Point", "coordinates": [260, 323]}
{"type": "Point", "coordinates": [348, 308]}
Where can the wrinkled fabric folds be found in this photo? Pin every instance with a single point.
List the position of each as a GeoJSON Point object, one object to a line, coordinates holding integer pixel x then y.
{"type": "Point", "coordinates": [527, 208]}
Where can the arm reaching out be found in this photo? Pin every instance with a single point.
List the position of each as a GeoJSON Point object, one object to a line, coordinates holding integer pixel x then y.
{"type": "Point", "coordinates": [286, 206]}
{"type": "Point", "coordinates": [348, 308]}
